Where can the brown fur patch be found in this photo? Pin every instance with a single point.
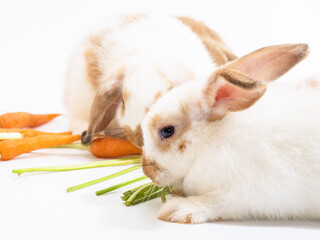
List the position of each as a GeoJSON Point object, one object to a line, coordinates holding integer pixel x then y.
{"type": "Point", "coordinates": [120, 74]}
{"type": "Point", "coordinates": [164, 76]}
{"type": "Point", "coordinates": [158, 95]}
{"type": "Point", "coordinates": [149, 167]}
{"type": "Point", "coordinates": [134, 136]}
{"type": "Point", "coordinates": [182, 146]}
{"type": "Point", "coordinates": [125, 95]}
{"type": "Point", "coordinates": [178, 192]}
{"type": "Point", "coordinates": [129, 19]}
{"type": "Point", "coordinates": [239, 79]}
{"type": "Point", "coordinates": [181, 122]}
{"type": "Point", "coordinates": [313, 83]}
{"type": "Point", "coordinates": [167, 218]}
{"type": "Point", "coordinates": [218, 51]}
{"type": "Point", "coordinates": [123, 109]}
{"type": "Point", "coordinates": [94, 72]}
{"type": "Point", "coordinates": [152, 127]}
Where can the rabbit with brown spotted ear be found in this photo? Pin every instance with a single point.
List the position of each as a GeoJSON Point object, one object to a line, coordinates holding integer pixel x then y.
{"type": "Point", "coordinates": [234, 155]}
{"type": "Point", "coordinates": [119, 71]}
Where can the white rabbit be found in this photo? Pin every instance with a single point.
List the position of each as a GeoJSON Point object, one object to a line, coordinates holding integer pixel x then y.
{"type": "Point", "coordinates": [126, 65]}
{"type": "Point", "coordinates": [233, 157]}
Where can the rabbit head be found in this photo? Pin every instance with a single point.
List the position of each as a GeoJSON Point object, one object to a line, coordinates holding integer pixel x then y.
{"type": "Point", "coordinates": [181, 122]}
{"type": "Point", "coordinates": [122, 101]}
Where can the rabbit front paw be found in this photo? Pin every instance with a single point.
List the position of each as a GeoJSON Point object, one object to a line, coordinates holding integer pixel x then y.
{"type": "Point", "coordinates": [185, 210]}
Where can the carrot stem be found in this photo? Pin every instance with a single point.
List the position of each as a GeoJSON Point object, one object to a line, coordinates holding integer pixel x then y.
{"type": "Point", "coordinates": [79, 146]}
{"type": "Point", "coordinates": [99, 180]}
{"type": "Point", "coordinates": [120, 185]}
{"type": "Point", "coordinates": [11, 135]}
{"type": "Point", "coordinates": [105, 163]}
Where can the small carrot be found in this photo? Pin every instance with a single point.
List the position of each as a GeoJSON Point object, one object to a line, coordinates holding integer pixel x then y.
{"type": "Point", "coordinates": [24, 119]}
{"type": "Point", "coordinates": [31, 132]}
{"type": "Point", "coordinates": [9, 149]}
{"type": "Point", "coordinates": [109, 147]}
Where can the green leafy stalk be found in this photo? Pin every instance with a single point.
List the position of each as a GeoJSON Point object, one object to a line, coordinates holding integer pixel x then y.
{"type": "Point", "coordinates": [135, 194]}
{"type": "Point", "coordinates": [120, 185]}
{"type": "Point", "coordinates": [125, 197]}
{"type": "Point", "coordinates": [78, 146]}
{"type": "Point", "coordinates": [153, 195]}
{"type": "Point", "coordinates": [104, 163]}
{"type": "Point", "coordinates": [142, 190]}
{"type": "Point", "coordinates": [163, 196]}
{"type": "Point", "coordinates": [129, 192]}
{"type": "Point", "coordinates": [99, 180]}
{"type": "Point", "coordinates": [154, 188]}
{"type": "Point", "coordinates": [144, 193]}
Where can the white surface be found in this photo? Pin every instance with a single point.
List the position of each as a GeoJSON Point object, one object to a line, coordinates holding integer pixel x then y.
{"type": "Point", "coordinates": [35, 40]}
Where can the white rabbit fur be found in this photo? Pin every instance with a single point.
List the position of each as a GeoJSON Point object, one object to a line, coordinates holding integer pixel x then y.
{"type": "Point", "coordinates": [262, 162]}
{"type": "Point", "coordinates": [151, 53]}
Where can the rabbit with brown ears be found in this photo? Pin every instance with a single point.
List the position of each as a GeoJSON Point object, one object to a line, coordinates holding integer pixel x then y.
{"type": "Point", "coordinates": [120, 70]}
{"type": "Point", "coordinates": [233, 155]}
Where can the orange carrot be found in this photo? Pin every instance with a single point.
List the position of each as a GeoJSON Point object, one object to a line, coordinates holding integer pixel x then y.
{"type": "Point", "coordinates": [109, 147]}
{"type": "Point", "coordinates": [24, 119]}
{"type": "Point", "coordinates": [12, 148]}
{"type": "Point", "coordinates": [31, 132]}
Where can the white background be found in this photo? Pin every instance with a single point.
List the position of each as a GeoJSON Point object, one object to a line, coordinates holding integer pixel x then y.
{"type": "Point", "coordinates": [35, 41]}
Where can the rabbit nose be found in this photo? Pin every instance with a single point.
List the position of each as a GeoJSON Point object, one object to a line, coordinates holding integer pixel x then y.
{"type": "Point", "coordinates": [85, 139]}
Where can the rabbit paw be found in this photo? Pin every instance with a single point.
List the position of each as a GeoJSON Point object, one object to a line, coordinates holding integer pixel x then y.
{"type": "Point", "coordinates": [184, 210]}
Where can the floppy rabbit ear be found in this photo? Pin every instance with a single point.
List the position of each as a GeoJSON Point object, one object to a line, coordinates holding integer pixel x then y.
{"type": "Point", "coordinates": [103, 109]}
{"type": "Point", "coordinates": [239, 84]}
{"type": "Point", "coordinates": [269, 63]}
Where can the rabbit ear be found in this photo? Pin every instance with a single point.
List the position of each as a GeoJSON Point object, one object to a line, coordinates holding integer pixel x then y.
{"type": "Point", "coordinates": [269, 63]}
{"type": "Point", "coordinates": [231, 90]}
{"type": "Point", "coordinates": [103, 109]}
{"type": "Point", "coordinates": [238, 85]}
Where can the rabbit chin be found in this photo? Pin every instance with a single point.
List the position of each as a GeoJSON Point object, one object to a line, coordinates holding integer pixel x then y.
{"type": "Point", "coordinates": [164, 179]}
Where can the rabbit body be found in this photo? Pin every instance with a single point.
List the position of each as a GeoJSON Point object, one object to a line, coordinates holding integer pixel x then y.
{"type": "Point", "coordinates": [261, 162]}
{"type": "Point", "coordinates": [142, 56]}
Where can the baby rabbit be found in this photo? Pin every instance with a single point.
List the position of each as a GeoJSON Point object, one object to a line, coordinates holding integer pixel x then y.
{"type": "Point", "coordinates": [232, 156]}
{"type": "Point", "coordinates": [121, 69]}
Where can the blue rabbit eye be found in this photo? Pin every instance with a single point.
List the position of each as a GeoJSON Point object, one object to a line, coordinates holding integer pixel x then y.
{"type": "Point", "coordinates": [167, 132]}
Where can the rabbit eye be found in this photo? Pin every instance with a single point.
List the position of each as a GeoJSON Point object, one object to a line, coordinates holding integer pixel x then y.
{"type": "Point", "coordinates": [167, 132]}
